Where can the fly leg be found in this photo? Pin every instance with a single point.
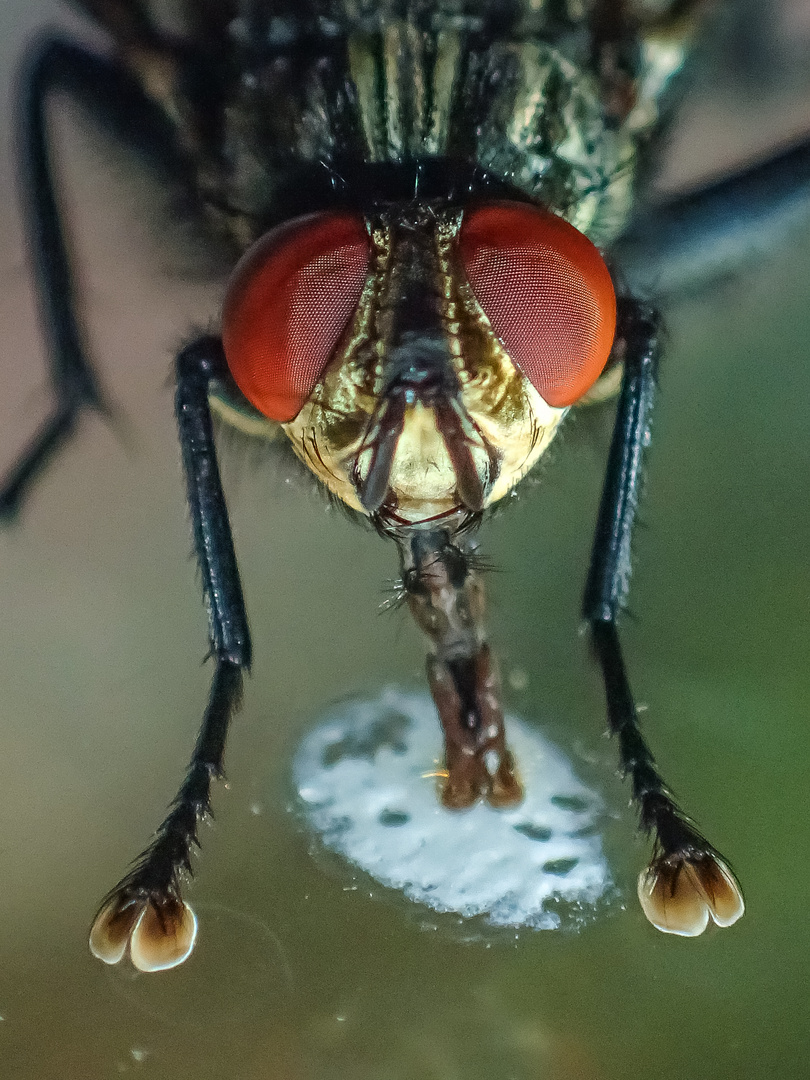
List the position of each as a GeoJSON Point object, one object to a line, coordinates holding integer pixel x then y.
{"type": "Point", "coordinates": [618, 29]}
{"type": "Point", "coordinates": [613, 39]}
{"type": "Point", "coordinates": [59, 66]}
{"type": "Point", "coordinates": [446, 597]}
{"type": "Point", "coordinates": [711, 231]}
{"type": "Point", "coordinates": [687, 880]}
{"type": "Point", "coordinates": [146, 910]}
{"type": "Point", "coordinates": [131, 21]}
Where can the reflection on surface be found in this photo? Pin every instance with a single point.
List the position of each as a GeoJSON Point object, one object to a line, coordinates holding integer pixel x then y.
{"type": "Point", "coordinates": [366, 777]}
{"type": "Point", "coordinates": [240, 971]}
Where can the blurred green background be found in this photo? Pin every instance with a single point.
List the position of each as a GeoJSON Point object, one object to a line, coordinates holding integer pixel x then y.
{"type": "Point", "coordinates": [297, 975]}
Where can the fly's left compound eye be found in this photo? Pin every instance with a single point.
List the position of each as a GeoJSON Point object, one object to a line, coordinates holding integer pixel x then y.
{"type": "Point", "coordinates": [546, 292]}
{"type": "Point", "coordinates": [288, 302]}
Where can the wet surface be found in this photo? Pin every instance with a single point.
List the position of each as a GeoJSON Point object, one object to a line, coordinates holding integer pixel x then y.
{"type": "Point", "coordinates": [297, 976]}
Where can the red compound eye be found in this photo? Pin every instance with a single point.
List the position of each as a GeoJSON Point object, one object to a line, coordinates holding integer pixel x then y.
{"type": "Point", "coordinates": [546, 292]}
{"type": "Point", "coordinates": [288, 302]}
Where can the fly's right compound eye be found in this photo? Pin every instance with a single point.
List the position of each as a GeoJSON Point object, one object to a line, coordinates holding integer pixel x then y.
{"type": "Point", "coordinates": [546, 292]}
{"type": "Point", "coordinates": [289, 300]}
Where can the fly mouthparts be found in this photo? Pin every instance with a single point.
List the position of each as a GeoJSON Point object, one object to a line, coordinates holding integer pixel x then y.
{"type": "Point", "coordinates": [459, 434]}
{"type": "Point", "coordinates": [472, 491]}
{"type": "Point", "coordinates": [383, 435]}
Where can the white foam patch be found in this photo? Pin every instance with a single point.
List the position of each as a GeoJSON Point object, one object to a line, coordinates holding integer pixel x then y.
{"type": "Point", "coordinates": [364, 778]}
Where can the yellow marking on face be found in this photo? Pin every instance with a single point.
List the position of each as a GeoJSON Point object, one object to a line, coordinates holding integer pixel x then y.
{"type": "Point", "coordinates": [249, 423]}
{"type": "Point", "coordinates": [423, 480]}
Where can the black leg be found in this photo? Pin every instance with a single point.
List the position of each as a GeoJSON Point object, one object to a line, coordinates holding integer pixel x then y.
{"type": "Point", "coordinates": [712, 230]}
{"type": "Point", "coordinates": [687, 880]}
{"type": "Point", "coordinates": [613, 35]}
{"type": "Point", "coordinates": [114, 97]}
{"type": "Point", "coordinates": [145, 910]}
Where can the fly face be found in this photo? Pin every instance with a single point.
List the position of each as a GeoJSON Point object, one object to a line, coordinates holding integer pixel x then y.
{"type": "Point", "coordinates": [422, 196]}
{"type": "Point", "coordinates": [421, 414]}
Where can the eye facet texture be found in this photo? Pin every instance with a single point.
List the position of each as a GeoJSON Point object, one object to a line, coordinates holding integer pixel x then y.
{"type": "Point", "coordinates": [288, 303]}
{"type": "Point", "coordinates": [546, 292]}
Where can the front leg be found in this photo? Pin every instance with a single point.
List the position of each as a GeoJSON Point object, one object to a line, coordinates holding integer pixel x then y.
{"type": "Point", "coordinates": [145, 910]}
{"type": "Point", "coordinates": [114, 99]}
{"type": "Point", "coordinates": [687, 880]}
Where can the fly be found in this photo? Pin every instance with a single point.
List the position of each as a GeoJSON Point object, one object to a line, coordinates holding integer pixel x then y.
{"type": "Point", "coordinates": [430, 201]}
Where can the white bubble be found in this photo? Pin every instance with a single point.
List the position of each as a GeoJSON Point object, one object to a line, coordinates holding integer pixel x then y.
{"type": "Point", "coordinates": [366, 780]}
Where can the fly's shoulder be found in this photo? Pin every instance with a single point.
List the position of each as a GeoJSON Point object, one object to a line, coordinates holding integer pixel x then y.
{"type": "Point", "coordinates": [569, 124]}
{"type": "Point", "coordinates": [281, 108]}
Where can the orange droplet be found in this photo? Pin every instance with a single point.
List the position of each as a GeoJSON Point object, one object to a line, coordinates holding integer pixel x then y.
{"type": "Point", "coordinates": [163, 937]}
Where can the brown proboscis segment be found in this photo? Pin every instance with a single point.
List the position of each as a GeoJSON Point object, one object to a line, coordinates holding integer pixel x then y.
{"type": "Point", "coordinates": [446, 597]}
{"type": "Point", "coordinates": [477, 760]}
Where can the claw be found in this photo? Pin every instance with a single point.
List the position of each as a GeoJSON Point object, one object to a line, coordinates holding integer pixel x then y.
{"type": "Point", "coordinates": [159, 935]}
{"type": "Point", "coordinates": [680, 892]}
